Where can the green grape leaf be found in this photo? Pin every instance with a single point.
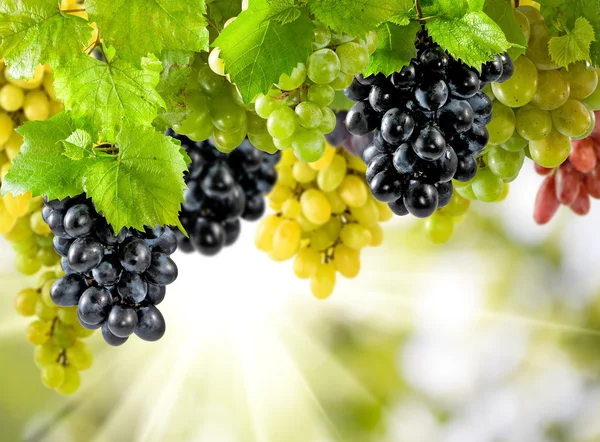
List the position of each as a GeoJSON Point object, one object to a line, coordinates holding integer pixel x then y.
{"type": "Point", "coordinates": [143, 185]}
{"type": "Point", "coordinates": [41, 166]}
{"type": "Point", "coordinates": [395, 49]}
{"type": "Point", "coordinates": [284, 11]}
{"type": "Point", "coordinates": [474, 38]}
{"type": "Point", "coordinates": [34, 32]}
{"type": "Point", "coordinates": [355, 17]}
{"type": "Point", "coordinates": [110, 93]}
{"type": "Point", "coordinates": [501, 11]}
{"type": "Point", "coordinates": [173, 87]}
{"type": "Point", "coordinates": [220, 11]}
{"type": "Point", "coordinates": [256, 50]}
{"type": "Point", "coordinates": [574, 46]}
{"type": "Point", "coordinates": [78, 145]}
{"type": "Point", "coordinates": [140, 27]}
{"type": "Point", "coordinates": [569, 11]}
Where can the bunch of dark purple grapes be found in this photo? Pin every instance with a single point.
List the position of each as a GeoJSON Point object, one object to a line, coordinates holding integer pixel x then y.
{"type": "Point", "coordinates": [340, 136]}
{"type": "Point", "coordinates": [430, 125]}
{"type": "Point", "coordinates": [222, 190]}
{"type": "Point", "coordinates": [115, 281]}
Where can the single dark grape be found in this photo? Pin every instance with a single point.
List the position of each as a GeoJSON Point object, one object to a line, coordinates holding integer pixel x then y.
{"type": "Point", "coordinates": [135, 255]}
{"type": "Point", "coordinates": [162, 270]}
{"type": "Point", "coordinates": [397, 126]}
{"type": "Point", "coordinates": [122, 321]}
{"type": "Point", "coordinates": [208, 237]}
{"type": "Point", "coordinates": [430, 144]}
{"type": "Point", "coordinates": [386, 186]}
{"type": "Point", "coordinates": [62, 245]}
{"type": "Point", "coordinates": [398, 207]}
{"type": "Point", "coordinates": [377, 164]}
{"type": "Point", "coordinates": [382, 98]}
{"type": "Point", "coordinates": [466, 168]}
{"type": "Point", "coordinates": [405, 79]}
{"type": "Point", "coordinates": [88, 326]}
{"type": "Point", "coordinates": [361, 119]}
{"type": "Point", "coordinates": [445, 191]}
{"type": "Point", "coordinates": [508, 67]}
{"type": "Point", "coordinates": [369, 153]}
{"type": "Point", "coordinates": [405, 159]}
{"type": "Point", "coordinates": [481, 105]}
{"type": "Point", "coordinates": [55, 220]}
{"type": "Point", "coordinates": [66, 291]}
{"type": "Point", "coordinates": [255, 208]}
{"type": "Point", "coordinates": [434, 59]}
{"type": "Point", "coordinates": [421, 199]}
{"type": "Point", "coordinates": [110, 338]}
{"type": "Point", "coordinates": [108, 272]}
{"type": "Point", "coordinates": [492, 70]}
{"type": "Point", "coordinates": [79, 220]}
{"type": "Point", "coordinates": [85, 254]}
{"type": "Point", "coordinates": [156, 293]}
{"type": "Point", "coordinates": [455, 116]}
{"type": "Point", "coordinates": [166, 243]}
{"type": "Point", "coordinates": [218, 182]}
{"type": "Point", "coordinates": [432, 96]}
{"type": "Point", "coordinates": [94, 305]}
{"type": "Point", "coordinates": [446, 165]}
{"type": "Point", "coordinates": [463, 82]}
{"type": "Point", "coordinates": [357, 91]}
{"type": "Point", "coordinates": [151, 324]}
{"type": "Point", "coordinates": [132, 288]}
{"type": "Point", "coordinates": [232, 228]}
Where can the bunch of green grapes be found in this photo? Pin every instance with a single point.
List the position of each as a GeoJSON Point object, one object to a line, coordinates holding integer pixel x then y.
{"type": "Point", "coordinates": [56, 333]}
{"type": "Point", "coordinates": [295, 113]}
{"type": "Point", "coordinates": [324, 215]}
{"type": "Point", "coordinates": [542, 108]}
{"type": "Point", "coordinates": [21, 220]}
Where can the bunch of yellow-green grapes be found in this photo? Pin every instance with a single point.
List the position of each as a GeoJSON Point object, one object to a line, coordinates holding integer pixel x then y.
{"type": "Point", "coordinates": [324, 215]}
{"type": "Point", "coordinates": [56, 333]}
{"type": "Point", "coordinates": [21, 220]}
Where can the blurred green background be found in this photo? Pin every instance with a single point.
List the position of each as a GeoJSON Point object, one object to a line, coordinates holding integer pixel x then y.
{"type": "Point", "coordinates": [494, 337]}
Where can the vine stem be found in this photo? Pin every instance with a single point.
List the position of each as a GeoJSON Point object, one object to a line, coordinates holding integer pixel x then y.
{"type": "Point", "coordinates": [517, 3]}
{"type": "Point", "coordinates": [418, 9]}
{"type": "Point", "coordinates": [72, 10]}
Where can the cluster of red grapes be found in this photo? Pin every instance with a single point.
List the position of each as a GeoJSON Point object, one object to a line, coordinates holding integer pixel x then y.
{"type": "Point", "coordinates": [573, 183]}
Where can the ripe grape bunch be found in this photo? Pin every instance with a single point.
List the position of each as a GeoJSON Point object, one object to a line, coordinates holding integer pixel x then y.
{"type": "Point", "coordinates": [324, 215]}
{"type": "Point", "coordinates": [573, 182]}
{"type": "Point", "coordinates": [21, 220]}
{"type": "Point", "coordinates": [57, 335]}
{"type": "Point", "coordinates": [115, 281]}
{"type": "Point", "coordinates": [542, 108]}
{"type": "Point", "coordinates": [430, 120]}
{"type": "Point", "coordinates": [296, 109]}
{"type": "Point", "coordinates": [222, 188]}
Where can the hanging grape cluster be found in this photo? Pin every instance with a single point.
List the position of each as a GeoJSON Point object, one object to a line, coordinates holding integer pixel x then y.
{"type": "Point", "coordinates": [57, 336]}
{"type": "Point", "coordinates": [324, 215]}
{"type": "Point", "coordinates": [430, 126]}
{"type": "Point", "coordinates": [222, 190]}
{"type": "Point", "coordinates": [115, 280]}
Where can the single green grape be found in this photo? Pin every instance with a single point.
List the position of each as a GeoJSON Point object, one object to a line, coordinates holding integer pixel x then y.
{"type": "Point", "coordinates": [47, 354]}
{"type": "Point", "coordinates": [572, 118]}
{"type": "Point", "coordinates": [80, 356]}
{"type": "Point", "coordinates": [354, 58]}
{"type": "Point", "coordinates": [265, 104]}
{"type": "Point", "coordinates": [504, 164]}
{"type": "Point", "coordinates": [72, 381]}
{"type": "Point", "coordinates": [537, 47]}
{"type": "Point", "coordinates": [523, 23]}
{"type": "Point", "coordinates": [227, 116]}
{"type": "Point", "coordinates": [329, 178]}
{"type": "Point", "coordinates": [228, 141]}
{"type": "Point", "coordinates": [211, 84]}
{"type": "Point", "coordinates": [593, 100]}
{"type": "Point", "coordinates": [592, 125]}
{"type": "Point", "coordinates": [256, 124]}
{"type": "Point", "coordinates": [521, 87]}
{"type": "Point", "coordinates": [583, 79]}
{"type": "Point", "coordinates": [38, 332]}
{"type": "Point", "coordinates": [515, 143]}
{"type": "Point", "coordinates": [328, 122]}
{"type": "Point", "coordinates": [439, 228]}
{"type": "Point", "coordinates": [552, 151]}
{"type": "Point", "coordinates": [457, 206]}
{"type": "Point", "coordinates": [64, 335]}
{"type": "Point", "coordinates": [486, 186]}
{"type": "Point", "coordinates": [553, 90]}
{"type": "Point", "coordinates": [53, 375]}
{"type": "Point", "coordinates": [308, 144]}
{"type": "Point", "coordinates": [263, 142]}
{"type": "Point", "coordinates": [26, 302]}
{"type": "Point", "coordinates": [309, 115]}
{"type": "Point", "coordinates": [282, 123]}
{"type": "Point", "coordinates": [283, 143]}
{"type": "Point", "coordinates": [502, 125]}
{"type": "Point", "coordinates": [533, 124]}
{"type": "Point", "coordinates": [27, 265]}
{"type": "Point", "coordinates": [342, 81]}
{"type": "Point", "coordinates": [323, 66]}
{"type": "Point", "coordinates": [321, 94]}
{"type": "Point", "coordinates": [322, 36]}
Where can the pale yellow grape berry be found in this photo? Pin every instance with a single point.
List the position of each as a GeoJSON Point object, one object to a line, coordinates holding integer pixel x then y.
{"type": "Point", "coordinates": [275, 206]}
{"type": "Point", "coordinates": [385, 213]}
{"type": "Point", "coordinates": [11, 97]}
{"type": "Point", "coordinates": [303, 173]}
{"type": "Point", "coordinates": [26, 302]}
{"type": "Point", "coordinates": [325, 160]}
{"type": "Point", "coordinates": [355, 236]}
{"type": "Point", "coordinates": [332, 176]}
{"type": "Point", "coordinates": [31, 83]}
{"type": "Point", "coordinates": [17, 206]}
{"type": "Point", "coordinates": [53, 375]}
{"type": "Point", "coordinates": [306, 263]}
{"type": "Point", "coordinates": [291, 208]}
{"type": "Point", "coordinates": [38, 225]}
{"type": "Point", "coordinates": [326, 236]}
{"type": "Point", "coordinates": [315, 206]}
{"type": "Point", "coordinates": [286, 240]}
{"type": "Point", "coordinates": [13, 145]}
{"type": "Point", "coordinates": [216, 64]}
{"type": "Point", "coordinates": [353, 191]}
{"type": "Point", "coordinates": [263, 238]}
{"type": "Point", "coordinates": [323, 281]}
{"type": "Point", "coordinates": [287, 159]}
{"type": "Point", "coordinates": [71, 383]}
{"type": "Point", "coordinates": [338, 206]}
{"type": "Point", "coordinates": [67, 315]}
{"type": "Point", "coordinates": [38, 332]}
{"type": "Point", "coordinates": [6, 127]}
{"type": "Point", "coordinates": [46, 312]}
{"type": "Point", "coordinates": [45, 294]}
{"type": "Point", "coordinates": [346, 260]}
{"type": "Point", "coordinates": [7, 221]}
{"type": "Point", "coordinates": [36, 106]}
{"type": "Point", "coordinates": [279, 193]}
{"type": "Point", "coordinates": [367, 215]}
{"type": "Point", "coordinates": [376, 235]}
